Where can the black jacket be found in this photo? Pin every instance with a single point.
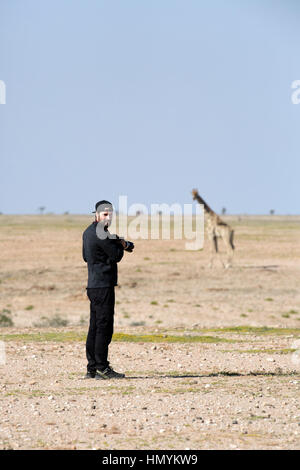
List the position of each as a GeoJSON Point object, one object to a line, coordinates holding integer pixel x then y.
{"type": "Point", "coordinates": [101, 256]}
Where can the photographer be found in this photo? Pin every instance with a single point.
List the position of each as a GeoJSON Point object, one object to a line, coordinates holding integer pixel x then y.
{"type": "Point", "coordinates": [101, 251]}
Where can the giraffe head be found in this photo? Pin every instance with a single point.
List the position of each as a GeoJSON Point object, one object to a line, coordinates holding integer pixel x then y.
{"type": "Point", "coordinates": [198, 198]}
{"type": "Point", "coordinates": [195, 193]}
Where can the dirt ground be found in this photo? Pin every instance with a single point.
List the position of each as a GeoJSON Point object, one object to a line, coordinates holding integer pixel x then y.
{"type": "Point", "coordinates": [211, 356]}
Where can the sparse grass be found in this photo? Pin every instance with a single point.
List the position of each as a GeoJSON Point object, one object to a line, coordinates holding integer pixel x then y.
{"type": "Point", "coordinates": [154, 302]}
{"type": "Point", "coordinates": [221, 373]}
{"type": "Point", "coordinates": [73, 335]}
{"type": "Point", "coordinates": [29, 307]}
{"type": "Point", "coordinates": [255, 417]}
{"type": "Point", "coordinates": [80, 390]}
{"type": "Point", "coordinates": [27, 393]}
{"type": "Point", "coordinates": [260, 330]}
{"type": "Point", "coordinates": [69, 336]}
{"type": "Point", "coordinates": [260, 351]}
{"type": "Point", "coordinates": [53, 336]}
{"type": "Point", "coordinates": [113, 389]}
{"type": "Point", "coordinates": [180, 390]}
{"type": "Point", "coordinates": [41, 443]}
{"type": "Point", "coordinates": [269, 299]}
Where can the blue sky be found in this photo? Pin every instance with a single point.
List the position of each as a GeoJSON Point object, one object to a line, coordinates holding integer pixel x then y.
{"type": "Point", "coordinates": [149, 100]}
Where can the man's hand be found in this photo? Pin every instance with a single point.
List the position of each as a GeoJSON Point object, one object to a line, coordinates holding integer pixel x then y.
{"type": "Point", "coordinates": [128, 246]}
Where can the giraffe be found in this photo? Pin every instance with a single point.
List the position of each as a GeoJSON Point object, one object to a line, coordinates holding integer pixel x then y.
{"type": "Point", "coordinates": [216, 228]}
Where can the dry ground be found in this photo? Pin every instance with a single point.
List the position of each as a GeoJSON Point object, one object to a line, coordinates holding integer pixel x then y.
{"type": "Point", "coordinates": [210, 355]}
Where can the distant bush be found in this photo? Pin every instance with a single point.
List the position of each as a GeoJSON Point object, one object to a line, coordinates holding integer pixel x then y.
{"type": "Point", "coordinates": [137, 323]}
{"type": "Point", "coordinates": [56, 321]}
{"type": "Point", "coordinates": [83, 320]}
{"type": "Point", "coordinates": [5, 318]}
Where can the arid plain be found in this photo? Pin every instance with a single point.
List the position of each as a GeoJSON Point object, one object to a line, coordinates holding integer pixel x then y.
{"type": "Point", "coordinates": [211, 356]}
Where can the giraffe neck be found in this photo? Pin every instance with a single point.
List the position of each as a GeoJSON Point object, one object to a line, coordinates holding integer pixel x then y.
{"type": "Point", "coordinates": [207, 209]}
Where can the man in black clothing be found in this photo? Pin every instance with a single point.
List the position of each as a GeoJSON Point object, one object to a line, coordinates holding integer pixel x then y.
{"type": "Point", "coordinates": [101, 251]}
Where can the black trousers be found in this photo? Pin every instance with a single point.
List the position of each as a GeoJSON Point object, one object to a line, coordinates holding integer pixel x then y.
{"type": "Point", "coordinates": [102, 305]}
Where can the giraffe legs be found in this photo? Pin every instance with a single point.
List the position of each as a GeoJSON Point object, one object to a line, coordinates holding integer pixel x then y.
{"type": "Point", "coordinates": [225, 234]}
{"type": "Point", "coordinates": [229, 251]}
{"type": "Point", "coordinates": [229, 259]}
{"type": "Point", "coordinates": [213, 248]}
{"type": "Point", "coordinates": [214, 251]}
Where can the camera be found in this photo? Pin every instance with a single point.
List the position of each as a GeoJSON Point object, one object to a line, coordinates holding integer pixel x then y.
{"type": "Point", "coordinates": [129, 246]}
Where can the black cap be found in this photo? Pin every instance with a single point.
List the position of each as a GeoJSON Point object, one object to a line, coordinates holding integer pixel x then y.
{"type": "Point", "coordinates": [106, 206]}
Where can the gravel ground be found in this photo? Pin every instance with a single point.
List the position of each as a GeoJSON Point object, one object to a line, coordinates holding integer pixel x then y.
{"type": "Point", "coordinates": [174, 396]}
{"type": "Point", "coordinates": [237, 389]}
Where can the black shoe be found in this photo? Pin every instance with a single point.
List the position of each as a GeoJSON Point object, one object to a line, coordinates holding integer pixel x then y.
{"type": "Point", "coordinates": [90, 375]}
{"type": "Point", "coordinates": [109, 373]}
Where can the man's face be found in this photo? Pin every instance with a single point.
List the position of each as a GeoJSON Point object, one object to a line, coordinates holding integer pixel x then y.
{"type": "Point", "coordinates": [105, 217]}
